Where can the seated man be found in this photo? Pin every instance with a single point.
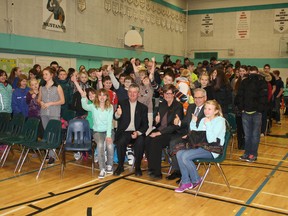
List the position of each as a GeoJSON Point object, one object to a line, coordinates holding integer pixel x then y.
{"type": "Point", "coordinates": [132, 125]}
{"type": "Point", "coordinates": [197, 109]}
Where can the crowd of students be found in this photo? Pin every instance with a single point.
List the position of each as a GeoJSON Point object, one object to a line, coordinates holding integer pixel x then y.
{"type": "Point", "coordinates": [153, 108]}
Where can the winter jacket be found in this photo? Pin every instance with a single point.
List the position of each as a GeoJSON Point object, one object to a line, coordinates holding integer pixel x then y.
{"type": "Point", "coordinates": [19, 104]}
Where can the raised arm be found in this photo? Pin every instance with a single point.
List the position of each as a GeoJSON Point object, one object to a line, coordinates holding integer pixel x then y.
{"type": "Point", "coordinates": [115, 82]}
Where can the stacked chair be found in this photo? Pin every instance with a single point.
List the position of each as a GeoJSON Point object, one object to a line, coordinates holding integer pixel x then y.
{"type": "Point", "coordinates": [10, 129]}
{"type": "Point", "coordinates": [51, 140]}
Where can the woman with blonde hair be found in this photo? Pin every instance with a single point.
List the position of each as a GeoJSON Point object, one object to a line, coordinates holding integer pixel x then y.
{"type": "Point", "coordinates": [207, 141]}
{"type": "Point", "coordinates": [102, 113]}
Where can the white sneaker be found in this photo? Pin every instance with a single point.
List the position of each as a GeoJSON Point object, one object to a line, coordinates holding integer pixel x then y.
{"type": "Point", "coordinates": [102, 174]}
{"type": "Point", "coordinates": [77, 156]}
{"type": "Point", "coordinates": [262, 135]}
{"type": "Point", "coordinates": [109, 169]}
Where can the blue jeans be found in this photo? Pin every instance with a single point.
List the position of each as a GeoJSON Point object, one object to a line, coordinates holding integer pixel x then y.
{"type": "Point", "coordinates": [99, 138]}
{"type": "Point", "coordinates": [187, 167]}
{"type": "Point", "coordinates": [252, 130]}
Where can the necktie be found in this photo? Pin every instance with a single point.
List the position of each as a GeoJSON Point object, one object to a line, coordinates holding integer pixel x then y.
{"type": "Point", "coordinates": [197, 111]}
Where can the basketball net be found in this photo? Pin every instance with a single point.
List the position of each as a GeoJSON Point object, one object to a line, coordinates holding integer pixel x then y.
{"type": "Point", "coordinates": [137, 48]}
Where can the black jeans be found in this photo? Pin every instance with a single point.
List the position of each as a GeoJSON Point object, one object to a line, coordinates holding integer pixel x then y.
{"type": "Point", "coordinates": [121, 145]}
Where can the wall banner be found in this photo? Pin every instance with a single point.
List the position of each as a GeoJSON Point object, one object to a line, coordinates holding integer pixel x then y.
{"type": "Point", "coordinates": [281, 20]}
{"type": "Point", "coordinates": [243, 24]}
{"type": "Point", "coordinates": [54, 15]}
{"type": "Point", "coordinates": [206, 25]}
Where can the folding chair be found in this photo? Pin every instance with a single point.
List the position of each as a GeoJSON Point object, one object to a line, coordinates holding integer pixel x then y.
{"type": "Point", "coordinates": [28, 134]}
{"type": "Point", "coordinates": [78, 139]}
{"type": "Point", "coordinates": [50, 141]}
{"type": "Point", "coordinates": [216, 161]}
{"type": "Point", "coordinates": [4, 120]}
{"type": "Point", "coordinates": [12, 129]}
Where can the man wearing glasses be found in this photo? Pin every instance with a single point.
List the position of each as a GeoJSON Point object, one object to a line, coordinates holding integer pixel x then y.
{"type": "Point", "coordinates": [197, 109]}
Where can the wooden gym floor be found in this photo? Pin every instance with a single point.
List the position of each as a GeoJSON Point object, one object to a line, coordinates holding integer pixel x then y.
{"type": "Point", "coordinates": [258, 188]}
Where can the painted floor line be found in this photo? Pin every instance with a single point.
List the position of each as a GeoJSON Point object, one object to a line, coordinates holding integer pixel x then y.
{"type": "Point", "coordinates": [273, 194]}
{"type": "Point", "coordinates": [254, 195]}
{"type": "Point", "coordinates": [271, 207]}
{"type": "Point", "coordinates": [14, 210]}
{"type": "Point", "coordinates": [203, 193]}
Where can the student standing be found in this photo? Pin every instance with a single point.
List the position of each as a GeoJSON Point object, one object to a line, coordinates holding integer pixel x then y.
{"type": "Point", "coordinates": [51, 97]}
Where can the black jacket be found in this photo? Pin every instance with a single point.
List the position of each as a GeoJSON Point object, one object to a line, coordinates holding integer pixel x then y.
{"type": "Point", "coordinates": [252, 94]}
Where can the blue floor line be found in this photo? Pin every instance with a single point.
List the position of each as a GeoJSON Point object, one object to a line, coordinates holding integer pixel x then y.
{"type": "Point", "coordinates": [253, 196]}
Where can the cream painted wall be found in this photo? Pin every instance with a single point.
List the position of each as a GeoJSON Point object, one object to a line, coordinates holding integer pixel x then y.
{"type": "Point", "coordinates": [94, 26]}
{"type": "Point", "coordinates": [211, 4]}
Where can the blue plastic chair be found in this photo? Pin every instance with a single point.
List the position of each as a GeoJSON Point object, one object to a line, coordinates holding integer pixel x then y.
{"type": "Point", "coordinates": [78, 139]}
{"type": "Point", "coordinates": [215, 161]}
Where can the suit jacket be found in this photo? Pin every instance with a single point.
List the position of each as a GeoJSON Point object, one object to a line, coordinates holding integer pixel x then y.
{"type": "Point", "coordinates": [175, 108]}
{"type": "Point", "coordinates": [185, 123]}
{"type": "Point", "coordinates": [140, 119]}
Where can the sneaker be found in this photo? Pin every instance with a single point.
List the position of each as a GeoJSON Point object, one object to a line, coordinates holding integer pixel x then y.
{"type": "Point", "coordinates": [51, 161]}
{"type": "Point", "coordinates": [102, 174]}
{"type": "Point", "coordinates": [109, 169]}
{"type": "Point", "coordinates": [197, 183]}
{"type": "Point", "coordinates": [244, 157]}
{"type": "Point", "coordinates": [251, 158]}
{"type": "Point", "coordinates": [262, 135]}
{"type": "Point", "coordinates": [278, 123]}
{"type": "Point", "coordinates": [184, 187]}
{"type": "Point", "coordinates": [77, 156]}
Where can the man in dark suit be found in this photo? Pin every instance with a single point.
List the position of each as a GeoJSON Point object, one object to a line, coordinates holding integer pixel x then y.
{"type": "Point", "coordinates": [132, 126]}
{"type": "Point", "coordinates": [197, 109]}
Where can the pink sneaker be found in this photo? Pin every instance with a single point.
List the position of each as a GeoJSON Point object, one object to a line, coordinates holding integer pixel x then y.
{"type": "Point", "coordinates": [184, 187]}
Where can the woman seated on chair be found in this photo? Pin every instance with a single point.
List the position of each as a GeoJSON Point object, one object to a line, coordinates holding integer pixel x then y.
{"type": "Point", "coordinates": [165, 129]}
{"type": "Point", "coordinates": [206, 141]}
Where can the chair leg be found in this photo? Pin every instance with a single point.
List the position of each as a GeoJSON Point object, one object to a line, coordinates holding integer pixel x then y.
{"type": "Point", "coordinates": [223, 175]}
{"type": "Point", "coordinates": [40, 169]}
{"type": "Point", "coordinates": [6, 155]}
{"type": "Point", "coordinates": [20, 158]}
{"type": "Point", "coordinates": [55, 153]}
{"type": "Point", "coordinates": [92, 161]}
{"type": "Point", "coordinates": [198, 166]}
{"type": "Point", "coordinates": [63, 162]}
{"type": "Point", "coordinates": [204, 177]}
{"type": "Point", "coordinates": [232, 145]}
{"type": "Point", "coordinates": [23, 160]}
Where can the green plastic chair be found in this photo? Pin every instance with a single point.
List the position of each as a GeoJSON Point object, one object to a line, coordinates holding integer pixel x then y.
{"type": "Point", "coordinates": [28, 133]}
{"type": "Point", "coordinates": [14, 127]}
{"type": "Point", "coordinates": [51, 140]}
{"type": "Point", "coordinates": [215, 161]}
{"type": "Point", "coordinates": [4, 120]}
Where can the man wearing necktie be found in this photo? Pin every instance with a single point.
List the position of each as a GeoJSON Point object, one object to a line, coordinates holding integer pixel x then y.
{"type": "Point", "coordinates": [197, 109]}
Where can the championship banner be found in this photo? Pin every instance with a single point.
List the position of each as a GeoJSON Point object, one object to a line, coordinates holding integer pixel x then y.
{"type": "Point", "coordinates": [281, 20]}
{"type": "Point", "coordinates": [243, 25]}
{"type": "Point", "coordinates": [207, 25]}
{"type": "Point", "coordinates": [54, 15]}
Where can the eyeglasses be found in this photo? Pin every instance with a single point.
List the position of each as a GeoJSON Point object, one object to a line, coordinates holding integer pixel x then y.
{"type": "Point", "coordinates": [197, 98]}
{"type": "Point", "coordinates": [168, 93]}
